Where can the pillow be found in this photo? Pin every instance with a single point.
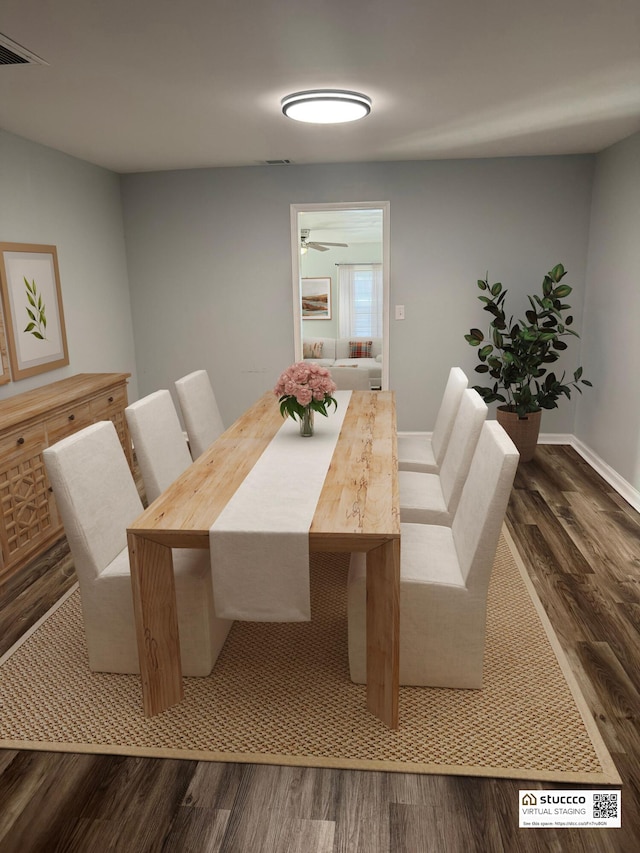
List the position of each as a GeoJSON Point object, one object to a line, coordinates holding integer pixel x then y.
{"type": "Point", "coordinates": [312, 349]}
{"type": "Point", "coordinates": [360, 349]}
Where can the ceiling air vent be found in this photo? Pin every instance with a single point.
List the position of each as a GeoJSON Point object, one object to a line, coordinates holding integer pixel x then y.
{"type": "Point", "coordinates": [12, 53]}
{"type": "Point", "coordinates": [277, 162]}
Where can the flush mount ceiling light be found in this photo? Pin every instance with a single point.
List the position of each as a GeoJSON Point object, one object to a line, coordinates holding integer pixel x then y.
{"type": "Point", "coordinates": [326, 106]}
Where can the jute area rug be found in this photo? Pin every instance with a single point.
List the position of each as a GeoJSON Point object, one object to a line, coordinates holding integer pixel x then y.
{"type": "Point", "coordinates": [281, 694]}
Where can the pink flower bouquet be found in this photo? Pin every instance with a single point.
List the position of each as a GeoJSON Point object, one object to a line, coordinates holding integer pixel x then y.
{"type": "Point", "coordinates": [305, 386]}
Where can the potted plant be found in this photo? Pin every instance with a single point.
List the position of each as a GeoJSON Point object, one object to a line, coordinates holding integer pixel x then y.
{"type": "Point", "coordinates": [517, 355]}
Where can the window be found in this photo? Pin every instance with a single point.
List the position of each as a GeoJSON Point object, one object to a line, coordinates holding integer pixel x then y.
{"type": "Point", "coordinates": [360, 295]}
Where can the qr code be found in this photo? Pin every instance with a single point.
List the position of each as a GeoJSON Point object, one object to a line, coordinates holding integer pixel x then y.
{"type": "Point", "coordinates": [605, 805]}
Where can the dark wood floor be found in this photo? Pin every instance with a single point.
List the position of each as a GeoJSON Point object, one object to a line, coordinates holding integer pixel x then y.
{"type": "Point", "coordinates": [581, 543]}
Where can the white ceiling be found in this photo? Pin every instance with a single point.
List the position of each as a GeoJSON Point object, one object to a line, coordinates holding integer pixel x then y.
{"type": "Point", "coordinates": [343, 226]}
{"type": "Point", "coordinates": [138, 85]}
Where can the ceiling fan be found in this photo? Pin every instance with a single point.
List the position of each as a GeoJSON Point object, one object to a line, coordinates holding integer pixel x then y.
{"type": "Point", "coordinates": [306, 244]}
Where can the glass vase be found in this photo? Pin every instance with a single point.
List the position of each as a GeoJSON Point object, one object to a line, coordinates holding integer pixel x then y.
{"type": "Point", "coordinates": [306, 422]}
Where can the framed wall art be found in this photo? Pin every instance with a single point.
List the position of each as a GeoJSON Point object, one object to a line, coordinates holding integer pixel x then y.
{"type": "Point", "coordinates": [5, 375]}
{"type": "Point", "coordinates": [33, 308]}
{"type": "Point", "coordinates": [316, 298]}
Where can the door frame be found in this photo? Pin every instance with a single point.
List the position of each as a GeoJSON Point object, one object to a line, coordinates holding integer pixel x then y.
{"type": "Point", "coordinates": [295, 209]}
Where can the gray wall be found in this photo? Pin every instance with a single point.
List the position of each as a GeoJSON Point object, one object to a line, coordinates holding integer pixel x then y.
{"type": "Point", "coordinates": [210, 271]}
{"type": "Point", "coordinates": [608, 416]}
{"type": "Point", "coordinates": [50, 198]}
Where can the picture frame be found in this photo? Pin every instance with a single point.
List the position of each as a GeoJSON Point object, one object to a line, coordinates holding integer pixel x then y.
{"type": "Point", "coordinates": [315, 298]}
{"type": "Point", "coordinates": [32, 298]}
{"type": "Point", "coordinates": [5, 373]}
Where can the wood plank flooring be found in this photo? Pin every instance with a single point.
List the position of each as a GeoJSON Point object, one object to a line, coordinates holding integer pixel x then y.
{"type": "Point", "coordinates": [581, 544]}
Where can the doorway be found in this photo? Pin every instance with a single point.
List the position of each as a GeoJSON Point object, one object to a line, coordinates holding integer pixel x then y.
{"type": "Point", "coordinates": [330, 242]}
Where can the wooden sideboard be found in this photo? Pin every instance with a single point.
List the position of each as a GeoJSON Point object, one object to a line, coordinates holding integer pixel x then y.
{"type": "Point", "coordinates": [29, 422]}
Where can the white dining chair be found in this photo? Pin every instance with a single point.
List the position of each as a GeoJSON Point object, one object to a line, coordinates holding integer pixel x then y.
{"type": "Point", "coordinates": [97, 499]}
{"type": "Point", "coordinates": [200, 411]}
{"type": "Point", "coordinates": [425, 453]}
{"type": "Point", "coordinates": [159, 443]}
{"type": "Point", "coordinates": [444, 578]}
{"type": "Point", "coordinates": [433, 498]}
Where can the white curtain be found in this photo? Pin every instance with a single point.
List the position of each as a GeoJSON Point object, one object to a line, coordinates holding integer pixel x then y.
{"type": "Point", "coordinates": [360, 300]}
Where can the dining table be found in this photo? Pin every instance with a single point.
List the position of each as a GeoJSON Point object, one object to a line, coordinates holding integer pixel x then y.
{"type": "Point", "coordinates": [358, 510]}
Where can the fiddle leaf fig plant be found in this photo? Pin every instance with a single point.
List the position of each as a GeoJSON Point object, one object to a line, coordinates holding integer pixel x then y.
{"type": "Point", "coordinates": [517, 354]}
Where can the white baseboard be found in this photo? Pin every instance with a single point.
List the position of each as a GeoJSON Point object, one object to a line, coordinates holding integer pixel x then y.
{"type": "Point", "coordinates": [630, 494]}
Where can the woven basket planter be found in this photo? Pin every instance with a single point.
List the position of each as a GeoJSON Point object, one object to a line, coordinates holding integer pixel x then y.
{"type": "Point", "coordinates": [523, 432]}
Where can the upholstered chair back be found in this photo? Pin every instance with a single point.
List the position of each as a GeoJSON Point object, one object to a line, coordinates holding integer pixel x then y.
{"type": "Point", "coordinates": [478, 520]}
{"type": "Point", "coordinates": [200, 411]}
{"type": "Point", "coordinates": [95, 494]}
{"type": "Point", "coordinates": [471, 414]}
{"type": "Point", "coordinates": [158, 440]}
{"type": "Point", "coordinates": [456, 384]}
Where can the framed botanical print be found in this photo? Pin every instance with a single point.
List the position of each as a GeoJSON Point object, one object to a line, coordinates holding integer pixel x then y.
{"type": "Point", "coordinates": [5, 375]}
{"type": "Point", "coordinates": [33, 308]}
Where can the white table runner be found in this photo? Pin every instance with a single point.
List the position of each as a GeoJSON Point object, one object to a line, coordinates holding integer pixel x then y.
{"type": "Point", "coordinates": [260, 541]}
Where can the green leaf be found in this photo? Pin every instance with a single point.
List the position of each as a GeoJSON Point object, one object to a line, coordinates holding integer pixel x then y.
{"type": "Point", "coordinates": [496, 288]}
{"type": "Point", "coordinates": [475, 337]}
{"type": "Point", "coordinates": [557, 272]}
{"type": "Point", "coordinates": [561, 291]}
{"type": "Point", "coordinates": [29, 327]}
{"type": "Point", "coordinates": [37, 335]}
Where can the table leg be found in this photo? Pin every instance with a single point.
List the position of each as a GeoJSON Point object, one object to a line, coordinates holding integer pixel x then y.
{"type": "Point", "coordinates": [383, 631]}
{"type": "Point", "coordinates": [154, 605]}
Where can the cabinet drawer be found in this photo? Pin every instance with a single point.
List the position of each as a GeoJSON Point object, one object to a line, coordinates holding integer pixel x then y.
{"type": "Point", "coordinates": [21, 444]}
{"type": "Point", "coordinates": [107, 404]}
{"type": "Point", "coordinates": [71, 420]}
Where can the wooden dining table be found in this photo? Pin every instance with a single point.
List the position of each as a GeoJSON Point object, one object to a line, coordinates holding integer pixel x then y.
{"type": "Point", "coordinates": [358, 510]}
